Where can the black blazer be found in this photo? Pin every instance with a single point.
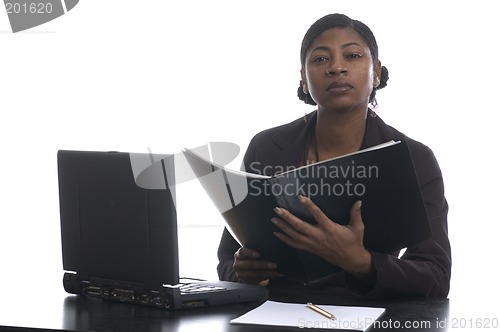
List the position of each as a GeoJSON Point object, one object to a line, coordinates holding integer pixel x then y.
{"type": "Point", "coordinates": [424, 270]}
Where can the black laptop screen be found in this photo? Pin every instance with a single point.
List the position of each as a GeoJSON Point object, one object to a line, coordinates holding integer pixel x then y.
{"type": "Point", "coordinates": [110, 227]}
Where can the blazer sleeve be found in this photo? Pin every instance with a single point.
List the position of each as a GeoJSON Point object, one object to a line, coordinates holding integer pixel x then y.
{"type": "Point", "coordinates": [424, 270]}
{"type": "Point", "coordinates": [227, 247]}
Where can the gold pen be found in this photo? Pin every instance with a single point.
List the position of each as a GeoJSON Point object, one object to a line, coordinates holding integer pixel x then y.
{"type": "Point", "coordinates": [321, 311]}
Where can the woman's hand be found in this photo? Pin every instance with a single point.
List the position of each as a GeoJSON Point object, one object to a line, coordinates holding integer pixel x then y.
{"type": "Point", "coordinates": [337, 244]}
{"type": "Point", "coordinates": [252, 270]}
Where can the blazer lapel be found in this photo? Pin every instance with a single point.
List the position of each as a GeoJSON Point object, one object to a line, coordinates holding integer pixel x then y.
{"type": "Point", "coordinates": [288, 146]}
{"type": "Point", "coordinates": [377, 131]}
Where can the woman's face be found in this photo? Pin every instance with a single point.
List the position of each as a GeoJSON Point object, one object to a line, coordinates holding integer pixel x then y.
{"type": "Point", "coordinates": [339, 73]}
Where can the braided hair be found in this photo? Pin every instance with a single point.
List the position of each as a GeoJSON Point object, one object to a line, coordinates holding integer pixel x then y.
{"type": "Point", "coordinates": [340, 20]}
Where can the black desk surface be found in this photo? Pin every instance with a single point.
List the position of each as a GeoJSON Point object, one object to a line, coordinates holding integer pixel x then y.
{"type": "Point", "coordinates": [60, 311]}
{"type": "Point", "coordinates": [30, 303]}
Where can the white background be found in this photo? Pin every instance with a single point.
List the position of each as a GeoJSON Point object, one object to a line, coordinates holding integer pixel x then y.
{"type": "Point", "coordinates": [128, 75]}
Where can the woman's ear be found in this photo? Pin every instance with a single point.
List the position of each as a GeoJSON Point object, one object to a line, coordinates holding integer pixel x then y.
{"type": "Point", "coordinates": [377, 74]}
{"type": "Point", "coordinates": [304, 82]}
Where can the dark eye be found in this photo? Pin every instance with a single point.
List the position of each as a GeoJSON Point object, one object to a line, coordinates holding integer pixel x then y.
{"type": "Point", "coordinates": [354, 56]}
{"type": "Point", "coordinates": [320, 59]}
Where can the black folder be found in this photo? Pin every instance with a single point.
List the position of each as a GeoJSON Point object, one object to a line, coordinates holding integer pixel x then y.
{"type": "Point", "coordinates": [382, 177]}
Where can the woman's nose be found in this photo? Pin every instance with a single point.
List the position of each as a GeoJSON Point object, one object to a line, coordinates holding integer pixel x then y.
{"type": "Point", "coordinates": [336, 67]}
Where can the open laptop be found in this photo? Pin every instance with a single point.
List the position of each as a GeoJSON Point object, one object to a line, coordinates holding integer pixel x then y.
{"type": "Point", "coordinates": [119, 240]}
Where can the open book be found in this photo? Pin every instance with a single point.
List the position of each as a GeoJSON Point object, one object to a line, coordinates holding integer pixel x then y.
{"type": "Point", "coordinates": [383, 177]}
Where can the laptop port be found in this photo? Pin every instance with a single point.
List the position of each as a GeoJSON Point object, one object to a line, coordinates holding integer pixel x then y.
{"type": "Point", "coordinates": [93, 290]}
{"type": "Point", "coordinates": [194, 304]}
{"type": "Point", "coordinates": [143, 299]}
{"type": "Point", "coordinates": [123, 294]}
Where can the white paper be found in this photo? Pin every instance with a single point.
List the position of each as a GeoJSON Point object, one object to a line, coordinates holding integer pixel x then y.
{"type": "Point", "coordinates": [299, 315]}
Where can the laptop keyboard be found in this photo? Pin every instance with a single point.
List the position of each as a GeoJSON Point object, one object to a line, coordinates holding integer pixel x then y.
{"type": "Point", "coordinates": [192, 288]}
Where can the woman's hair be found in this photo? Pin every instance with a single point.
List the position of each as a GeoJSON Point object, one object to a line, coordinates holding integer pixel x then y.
{"type": "Point", "coordinates": [333, 21]}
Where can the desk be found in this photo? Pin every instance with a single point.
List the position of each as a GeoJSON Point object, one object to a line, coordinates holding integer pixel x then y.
{"type": "Point", "coordinates": [70, 312]}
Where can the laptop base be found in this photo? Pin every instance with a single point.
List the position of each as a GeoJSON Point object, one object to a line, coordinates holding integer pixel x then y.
{"type": "Point", "coordinates": [165, 297]}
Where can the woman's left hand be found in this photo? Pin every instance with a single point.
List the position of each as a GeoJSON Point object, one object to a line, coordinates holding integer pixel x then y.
{"type": "Point", "coordinates": [337, 244]}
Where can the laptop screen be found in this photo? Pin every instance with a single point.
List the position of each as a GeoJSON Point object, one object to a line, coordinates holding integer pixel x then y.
{"type": "Point", "coordinates": [111, 228]}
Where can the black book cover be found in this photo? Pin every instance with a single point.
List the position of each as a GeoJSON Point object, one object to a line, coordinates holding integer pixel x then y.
{"type": "Point", "coordinates": [383, 177]}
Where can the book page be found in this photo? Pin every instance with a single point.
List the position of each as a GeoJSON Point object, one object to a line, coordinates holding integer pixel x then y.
{"type": "Point", "coordinates": [225, 187]}
{"type": "Point", "coordinates": [196, 160]}
{"type": "Point", "coordinates": [299, 315]}
{"type": "Point", "coordinates": [375, 147]}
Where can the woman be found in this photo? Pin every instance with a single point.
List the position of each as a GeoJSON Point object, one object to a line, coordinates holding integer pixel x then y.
{"type": "Point", "coordinates": [340, 74]}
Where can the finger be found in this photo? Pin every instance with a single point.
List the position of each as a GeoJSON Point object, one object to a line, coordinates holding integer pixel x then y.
{"type": "Point", "coordinates": [291, 224]}
{"type": "Point", "coordinates": [297, 244]}
{"type": "Point", "coordinates": [255, 277]}
{"type": "Point", "coordinates": [253, 264]}
{"type": "Point", "coordinates": [255, 271]}
{"type": "Point", "coordinates": [289, 232]}
{"type": "Point", "coordinates": [318, 215]}
{"type": "Point", "coordinates": [356, 223]}
{"type": "Point", "coordinates": [246, 253]}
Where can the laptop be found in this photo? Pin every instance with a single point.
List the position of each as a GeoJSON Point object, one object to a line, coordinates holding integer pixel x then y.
{"type": "Point", "coordinates": [119, 233]}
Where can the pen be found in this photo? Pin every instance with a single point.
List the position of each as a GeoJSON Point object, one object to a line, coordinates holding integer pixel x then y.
{"type": "Point", "coordinates": [321, 311]}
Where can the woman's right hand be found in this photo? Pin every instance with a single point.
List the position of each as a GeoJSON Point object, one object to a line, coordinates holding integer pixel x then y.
{"type": "Point", "coordinates": [252, 270]}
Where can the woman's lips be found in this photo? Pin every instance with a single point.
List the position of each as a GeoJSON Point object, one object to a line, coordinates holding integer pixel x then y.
{"type": "Point", "coordinates": [338, 87]}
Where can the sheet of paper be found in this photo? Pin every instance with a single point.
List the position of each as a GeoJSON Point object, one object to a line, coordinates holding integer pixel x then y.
{"type": "Point", "coordinates": [299, 315]}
